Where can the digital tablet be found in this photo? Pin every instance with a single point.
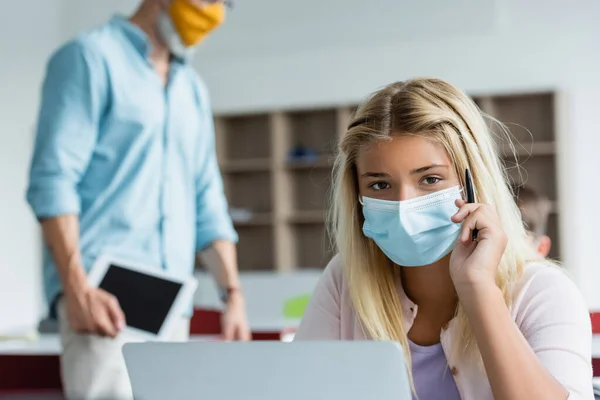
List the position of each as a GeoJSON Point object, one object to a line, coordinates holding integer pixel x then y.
{"type": "Point", "coordinates": [153, 300]}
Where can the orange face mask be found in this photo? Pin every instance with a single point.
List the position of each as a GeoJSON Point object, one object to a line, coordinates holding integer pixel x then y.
{"type": "Point", "coordinates": [194, 23]}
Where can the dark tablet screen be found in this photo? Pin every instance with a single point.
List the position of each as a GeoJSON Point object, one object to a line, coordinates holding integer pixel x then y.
{"type": "Point", "coordinates": [145, 299]}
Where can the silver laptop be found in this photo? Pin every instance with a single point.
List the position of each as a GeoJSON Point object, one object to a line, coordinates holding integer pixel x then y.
{"type": "Point", "coordinates": [361, 370]}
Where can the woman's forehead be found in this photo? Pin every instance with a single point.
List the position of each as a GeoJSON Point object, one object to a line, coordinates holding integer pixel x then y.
{"type": "Point", "coordinates": [403, 153]}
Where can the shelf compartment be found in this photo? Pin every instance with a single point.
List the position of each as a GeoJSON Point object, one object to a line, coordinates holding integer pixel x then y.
{"type": "Point", "coordinates": [250, 191]}
{"type": "Point", "coordinates": [538, 173]}
{"type": "Point", "coordinates": [313, 249]}
{"type": "Point", "coordinates": [310, 189]}
{"type": "Point", "coordinates": [529, 149]}
{"type": "Point", "coordinates": [255, 248]}
{"type": "Point", "coordinates": [320, 162]}
{"type": "Point", "coordinates": [307, 217]}
{"type": "Point", "coordinates": [255, 219]}
{"type": "Point", "coordinates": [246, 165]}
{"type": "Point", "coordinates": [244, 137]}
{"type": "Point", "coordinates": [526, 115]}
{"type": "Point", "coordinates": [315, 130]}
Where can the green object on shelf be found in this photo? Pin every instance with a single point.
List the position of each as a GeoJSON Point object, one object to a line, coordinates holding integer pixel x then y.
{"type": "Point", "coordinates": [294, 307]}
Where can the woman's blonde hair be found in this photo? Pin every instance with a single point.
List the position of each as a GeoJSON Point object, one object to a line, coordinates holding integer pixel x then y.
{"type": "Point", "coordinates": [436, 110]}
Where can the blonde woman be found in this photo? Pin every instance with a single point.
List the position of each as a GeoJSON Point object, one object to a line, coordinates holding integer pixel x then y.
{"type": "Point", "coordinates": [477, 320]}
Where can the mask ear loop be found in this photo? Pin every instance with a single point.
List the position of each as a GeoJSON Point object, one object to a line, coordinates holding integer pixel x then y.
{"type": "Point", "coordinates": [462, 192]}
{"type": "Point", "coordinates": [360, 200]}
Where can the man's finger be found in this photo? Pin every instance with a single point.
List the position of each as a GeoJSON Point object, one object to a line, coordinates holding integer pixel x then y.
{"type": "Point", "coordinates": [115, 313]}
{"type": "Point", "coordinates": [80, 328]}
{"type": "Point", "coordinates": [242, 333]}
{"type": "Point", "coordinates": [246, 335]}
{"type": "Point", "coordinates": [239, 333]}
{"type": "Point", "coordinates": [104, 326]}
{"type": "Point", "coordinates": [228, 331]}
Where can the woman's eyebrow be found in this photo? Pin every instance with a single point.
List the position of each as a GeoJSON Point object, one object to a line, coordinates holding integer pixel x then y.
{"type": "Point", "coordinates": [428, 167]}
{"type": "Point", "coordinates": [375, 175]}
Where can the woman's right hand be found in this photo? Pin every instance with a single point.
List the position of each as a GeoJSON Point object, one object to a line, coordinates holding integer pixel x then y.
{"type": "Point", "coordinates": [93, 310]}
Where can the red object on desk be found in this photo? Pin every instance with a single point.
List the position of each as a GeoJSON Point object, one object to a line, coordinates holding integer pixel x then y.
{"type": "Point", "coordinates": [38, 373]}
{"type": "Point", "coordinates": [29, 372]}
{"type": "Point", "coordinates": [208, 322]}
{"type": "Point", "coordinates": [595, 317]}
{"type": "Point", "coordinates": [205, 322]}
{"type": "Point", "coordinates": [41, 373]}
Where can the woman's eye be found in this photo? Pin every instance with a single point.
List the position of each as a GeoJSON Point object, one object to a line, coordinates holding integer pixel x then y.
{"type": "Point", "coordinates": [380, 185]}
{"type": "Point", "coordinates": [431, 180]}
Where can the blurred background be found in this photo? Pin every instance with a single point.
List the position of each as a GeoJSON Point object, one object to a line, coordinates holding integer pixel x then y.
{"type": "Point", "coordinates": [284, 78]}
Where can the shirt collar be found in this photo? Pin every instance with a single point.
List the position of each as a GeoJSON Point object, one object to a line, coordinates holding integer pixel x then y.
{"type": "Point", "coordinates": [137, 37]}
{"type": "Point", "coordinates": [133, 33]}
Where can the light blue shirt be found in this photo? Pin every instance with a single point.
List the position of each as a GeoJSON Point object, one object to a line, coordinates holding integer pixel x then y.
{"type": "Point", "coordinates": [134, 159]}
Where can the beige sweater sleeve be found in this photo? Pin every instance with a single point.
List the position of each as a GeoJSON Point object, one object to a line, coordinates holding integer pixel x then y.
{"type": "Point", "coordinates": [321, 320]}
{"type": "Point", "coordinates": [553, 317]}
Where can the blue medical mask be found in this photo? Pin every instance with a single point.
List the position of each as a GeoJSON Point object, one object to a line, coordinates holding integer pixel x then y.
{"type": "Point", "coordinates": [413, 232]}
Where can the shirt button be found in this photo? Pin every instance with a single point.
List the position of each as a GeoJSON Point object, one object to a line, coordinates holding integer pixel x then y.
{"type": "Point", "coordinates": [454, 371]}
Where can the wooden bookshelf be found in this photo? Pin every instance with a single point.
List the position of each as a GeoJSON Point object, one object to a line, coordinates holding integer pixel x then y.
{"type": "Point", "coordinates": [278, 200]}
{"type": "Point", "coordinates": [247, 165]}
{"type": "Point", "coordinates": [531, 120]}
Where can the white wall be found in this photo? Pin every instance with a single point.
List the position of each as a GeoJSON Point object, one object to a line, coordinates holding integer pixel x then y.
{"type": "Point", "coordinates": [80, 15]}
{"type": "Point", "coordinates": [581, 192]}
{"type": "Point", "coordinates": [24, 45]}
{"type": "Point", "coordinates": [338, 51]}
{"type": "Point", "coordinates": [294, 54]}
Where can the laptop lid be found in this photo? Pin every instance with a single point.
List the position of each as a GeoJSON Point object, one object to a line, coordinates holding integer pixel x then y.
{"type": "Point", "coordinates": [268, 370]}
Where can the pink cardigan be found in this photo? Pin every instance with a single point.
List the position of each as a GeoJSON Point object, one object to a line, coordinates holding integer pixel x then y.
{"type": "Point", "coordinates": [547, 308]}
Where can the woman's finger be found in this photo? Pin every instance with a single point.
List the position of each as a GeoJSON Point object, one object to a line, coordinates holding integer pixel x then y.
{"type": "Point", "coordinates": [471, 222]}
{"type": "Point", "coordinates": [464, 211]}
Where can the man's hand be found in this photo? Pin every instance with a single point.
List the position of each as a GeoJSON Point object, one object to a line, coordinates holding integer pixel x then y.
{"type": "Point", "coordinates": [89, 310]}
{"type": "Point", "coordinates": [234, 323]}
{"type": "Point", "coordinates": [221, 261]}
{"type": "Point", "coordinates": [93, 310]}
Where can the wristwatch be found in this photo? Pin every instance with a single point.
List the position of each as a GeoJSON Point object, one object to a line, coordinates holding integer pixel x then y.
{"type": "Point", "coordinates": [225, 293]}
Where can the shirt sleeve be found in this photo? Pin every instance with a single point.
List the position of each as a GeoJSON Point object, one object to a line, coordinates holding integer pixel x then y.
{"type": "Point", "coordinates": [212, 215]}
{"type": "Point", "coordinates": [556, 323]}
{"type": "Point", "coordinates": [321, 319]}
{"type": "Point", "coordinates": [73, 94]}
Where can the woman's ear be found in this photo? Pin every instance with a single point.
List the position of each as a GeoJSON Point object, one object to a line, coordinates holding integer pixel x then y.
{"type": "Point", "coordinates": [544, 245]}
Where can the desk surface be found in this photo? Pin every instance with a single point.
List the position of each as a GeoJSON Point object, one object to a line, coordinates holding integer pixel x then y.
{"type": "Point", "coordinates": [50, 345]}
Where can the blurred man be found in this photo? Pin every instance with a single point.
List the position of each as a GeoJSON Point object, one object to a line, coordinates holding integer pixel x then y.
{"type": "Point", "coordinates": [535, 209]}
{"type": "Point", "coordinates": [124, 164]}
